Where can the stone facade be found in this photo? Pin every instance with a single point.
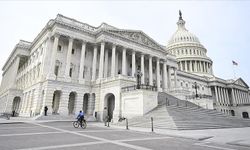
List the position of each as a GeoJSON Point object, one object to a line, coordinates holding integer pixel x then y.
{"type": "Point", "coordinates": [72, 66]}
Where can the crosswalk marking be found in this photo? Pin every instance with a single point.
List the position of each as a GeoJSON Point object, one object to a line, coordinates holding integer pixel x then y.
{"type": "Point", "coordinates": [88, 136]}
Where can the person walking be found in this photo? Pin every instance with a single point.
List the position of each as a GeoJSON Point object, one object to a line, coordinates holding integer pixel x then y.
{"type": "Point", "coordinates": [45, 110]}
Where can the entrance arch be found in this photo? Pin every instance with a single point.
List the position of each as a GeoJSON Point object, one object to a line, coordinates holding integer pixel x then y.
{"type": "Point", "coordinates": [15, 106]}
{"type": "Point", "coordinates": [71, 105]}
{"type": "Point", "coordinates": [245, 115]}
{"type": "Point", "coordinates": [56, 102]}
{"type": "Point", "coordinates": [85, 103]}
{"type": "Point", "coordinates": [109, 103]}
{"type": "Point", "coordinates": [232, 113]}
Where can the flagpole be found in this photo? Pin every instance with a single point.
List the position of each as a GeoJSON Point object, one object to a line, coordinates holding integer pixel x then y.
{"type": "Point", "coordinates": [234, 65]}
{"type": "Point", "coordinates": [234, 72]}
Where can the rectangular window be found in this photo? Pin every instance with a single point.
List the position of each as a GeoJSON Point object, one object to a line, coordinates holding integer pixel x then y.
{"type": "Point", "coordinates": [70, 72]}
{"type": "Point", "coordinates": [56, 70]}
{"type": "Point", "coordinates": [73, 51]}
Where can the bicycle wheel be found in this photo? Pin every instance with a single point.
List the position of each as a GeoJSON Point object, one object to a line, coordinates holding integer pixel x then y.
{"type": "Point", "coordinates": [84, 125]}
{"type": "Point", "coordinates": [76, 124]}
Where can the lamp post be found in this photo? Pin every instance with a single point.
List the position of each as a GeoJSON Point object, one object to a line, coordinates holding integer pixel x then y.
{"type": "Point", "coordinates": [195, 87]}
{"type": "Point", "coordinates": [138, 75]}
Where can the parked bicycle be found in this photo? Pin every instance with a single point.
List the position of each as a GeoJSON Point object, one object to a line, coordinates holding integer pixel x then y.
{"type": "Point", "coordinates": [77, 123]}
{"type": "Point", "coordinates": [5, 115]}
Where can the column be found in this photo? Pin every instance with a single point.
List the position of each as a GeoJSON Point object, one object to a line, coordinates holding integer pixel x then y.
{"type": "Point", "coordinates": [150, 71]}
{"type": "Point", "coordinates": [244, 96]}
{"type": "Point", "coordinates": [206, 67]}
{"type": "Point", "coordinates": [225, 96]}
{"type": "Point", "coordinates": [68, 59]}
{"type": "Point", "coordinates": [94, 63]}
{"type": "Point", "coordinates": [101, 60]}
{"type": "Point", "coordinates": [237, 97]}
{"type": "Point", "coordinates": [113, 64]}
{"type": "Point", "coordinates": [133, 64]}
{"type": "Point", "coordinates": [248, 100]}
{"type": "Point", "coordinates": [216, 94]}
{"type": "Point", "coordinates": [53, 56]}
{"type": "Point", "coordinates": [186, 68]}
{"type": "Point", "coordinates": [233, 97]}
{"type": "Point", "coordinates": [106, 63]}
{"type": "Point", "coordinates": [142, 70]}
{"type": "Point", "coordinates": [190, 66]}
{"type": "Point", "coordinates": [165, 77]}
{"type": "Point", "coordinates": [181, 67]}
{"type": "Point", "coordinates": [169, 77]}
{"type": "Point", "coordinates": [158, 82]}
{"type": "Point", "coordinates": [175, 77]}
{"type": "Point", "coordinates": [219, 95]}
{"type": "Point", "coordinates": [241, 97]}
{"type": "Point", "coordinates": [82, 62]}
{"type": "Point", "coordinates": [195, 66]}
{"type": "Point", "coordinates": [124, 61]}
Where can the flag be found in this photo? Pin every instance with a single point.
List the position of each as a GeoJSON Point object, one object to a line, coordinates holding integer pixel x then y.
{"type": "Point", "coordinates": [234, 63]}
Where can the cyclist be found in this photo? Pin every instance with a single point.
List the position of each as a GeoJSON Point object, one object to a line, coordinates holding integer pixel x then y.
{"type": "Point", "coordinates": [80, 117]}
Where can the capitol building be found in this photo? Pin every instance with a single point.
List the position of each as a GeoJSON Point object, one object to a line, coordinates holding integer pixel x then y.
{"type": "Point", "coordinates": [72, 66]}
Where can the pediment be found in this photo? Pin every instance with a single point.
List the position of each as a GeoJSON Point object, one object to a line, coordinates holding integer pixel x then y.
{"type": "Point", "coordinates": [241, 83]}
{"type": "Point", "coordinates": [137, 36]}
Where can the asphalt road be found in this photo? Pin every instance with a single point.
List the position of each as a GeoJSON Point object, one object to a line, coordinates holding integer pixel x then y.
{"type": "Point", "coordinates": [63, 136]}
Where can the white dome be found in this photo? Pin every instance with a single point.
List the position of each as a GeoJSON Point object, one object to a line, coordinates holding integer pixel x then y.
{"type": "Point", "coordinates": [182, 35]}
{"type": "Point", "coordinates": [189, 52]}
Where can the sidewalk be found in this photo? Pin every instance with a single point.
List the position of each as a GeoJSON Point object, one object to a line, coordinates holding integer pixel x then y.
{"type": "Point", "coordinates": [233, 136]}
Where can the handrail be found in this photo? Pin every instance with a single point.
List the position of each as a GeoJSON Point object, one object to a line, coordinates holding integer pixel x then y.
{"type": "Point", "coordinates": [142, 86]}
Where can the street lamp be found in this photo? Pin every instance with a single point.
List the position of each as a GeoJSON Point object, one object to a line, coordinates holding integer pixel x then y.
{"type": "Point", "coordinates": [138, 75]}
{"type": "Point", "coordinates": [195, 87]}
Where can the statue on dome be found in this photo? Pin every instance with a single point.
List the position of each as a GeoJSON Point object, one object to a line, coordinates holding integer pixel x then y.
{"type": "Point", "coordinates": [180, 15]}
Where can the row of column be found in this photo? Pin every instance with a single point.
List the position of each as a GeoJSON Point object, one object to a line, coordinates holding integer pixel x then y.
{"type": "Point", "coordinates": [102, 64]}
{"type": "Point", "coordinates": [240, 97]}
{"type": "Point", "coordinates": [237, 96]}
{"type": "Point", "coordinates": [195, 66]}
{"type": "Point", "coordinates": [222, 95]}
{"type": "Point", "coordinates": [68, 58]}
{"type": "Point", "coordinates": [29, 77]}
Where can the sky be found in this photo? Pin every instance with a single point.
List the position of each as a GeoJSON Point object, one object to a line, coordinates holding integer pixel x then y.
{"type": "Point", "coordinates": [221, 26]}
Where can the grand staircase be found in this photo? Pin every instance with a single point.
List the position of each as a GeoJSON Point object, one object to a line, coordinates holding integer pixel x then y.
{"type": "Point", "coordinates": [173, 113]}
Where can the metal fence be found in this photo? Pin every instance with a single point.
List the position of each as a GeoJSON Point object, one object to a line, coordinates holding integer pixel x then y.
{"type": "Point", "coordinates": [142, 86]}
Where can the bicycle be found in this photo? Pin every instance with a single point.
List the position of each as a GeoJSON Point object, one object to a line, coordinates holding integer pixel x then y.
{"type": "Point", "coordinates": [77, 123]}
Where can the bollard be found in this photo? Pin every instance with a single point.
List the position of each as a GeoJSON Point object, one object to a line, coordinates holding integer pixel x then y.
{"type": "Point", "coordinates": [152, 125]}
{"type": "Point", "coordinates": [108, 121]}
{"type": "Point", "coordinates": [127, 123]}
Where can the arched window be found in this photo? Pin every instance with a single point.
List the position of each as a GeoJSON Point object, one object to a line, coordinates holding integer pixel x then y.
{"type": "Point", "coordinates": [245, 115]}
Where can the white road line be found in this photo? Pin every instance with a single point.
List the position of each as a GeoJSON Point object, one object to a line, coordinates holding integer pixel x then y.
{"type": "Point", "coordinates": [101, 131]}
{"type": "Point", "coordinates": [143, 139]}
{"type": "Point", "coordinates": [211, 146]}
{"type": "Point", "coordinates": [63, 146]}
{"type": "Point", "coordinates": [10, 128]}
{"type": "Point", "coordinates": [94, 137]}
{"type": "Point", "coordinates": [23, 134]}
